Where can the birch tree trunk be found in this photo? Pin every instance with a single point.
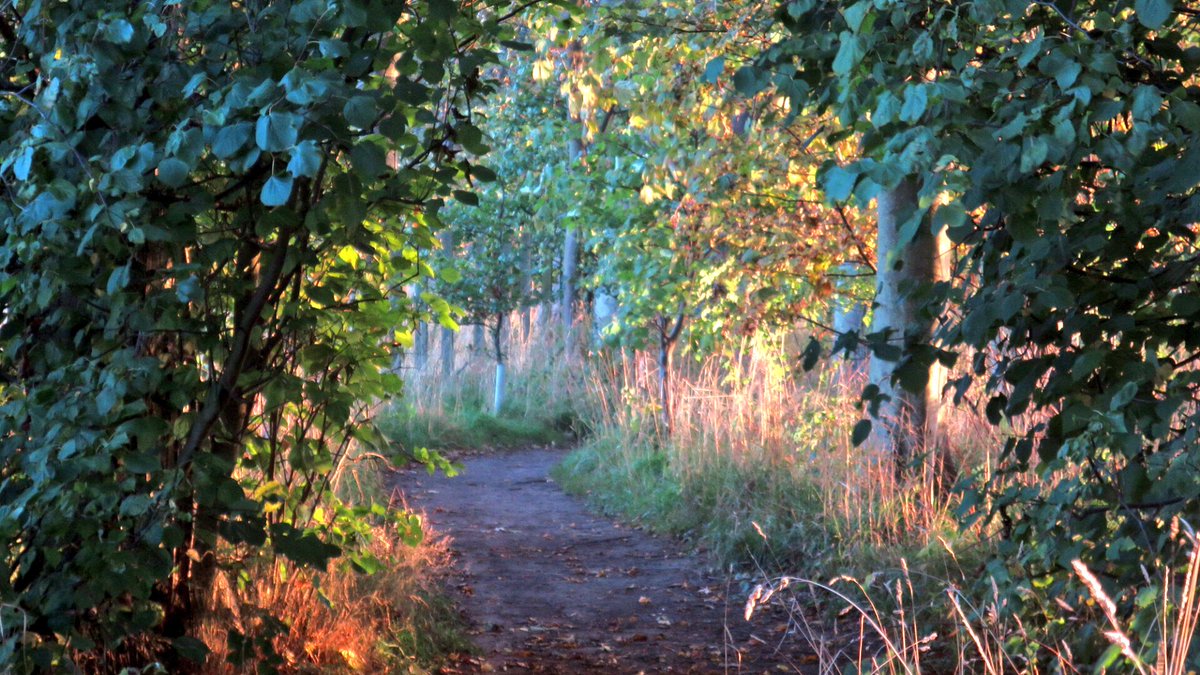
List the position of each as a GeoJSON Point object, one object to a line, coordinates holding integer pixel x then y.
{"type": "Point", "coordinates": [604, 314]}
{"type": "Point", "coordinates": [501, 370]}
{"type": "Point", "coordinates": [906, 423]}
{"type": "Point", "coordinates": [570, 258]}
{"type": "Point", "coordinates": [447, 348]}
{"type": "Point", "coordinates": [420, 339]}
{"type": "Point", "coordinates": [848, 316]}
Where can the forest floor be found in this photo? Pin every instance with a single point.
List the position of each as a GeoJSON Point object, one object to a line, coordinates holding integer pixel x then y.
{"type": "Point", "coordinates": [547, 586]}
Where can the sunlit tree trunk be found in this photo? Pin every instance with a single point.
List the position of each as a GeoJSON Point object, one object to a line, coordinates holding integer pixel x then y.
{"type": "Point", "coordinates": [906, 423]}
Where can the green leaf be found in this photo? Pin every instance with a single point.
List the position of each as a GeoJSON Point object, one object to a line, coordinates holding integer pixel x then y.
{"type": "Point", "coordinates": [369, 160]}
{"type": "Point", "coordinates": [839, 183]}
{"type": "Point", "coordinates": [302, 547]}
{"type": "Point", "coordinates": [1152, 13]}
{"type": "Point", "coordinates": [276, 131]}
{"type": "Point", "coordinates": [23, 164]}
{"type": "Point", "coordinates": [712, 72]}
{"type": "Point", "coordinates": [360, 111]}
{"type": "Point", "coordinates": [886, 111]}
{"type": "Point", "coordinates": [276, 191]}
{"type": "Point", "coordinates": [850, 52]}
{"type": "Point", "coordinates": [855, 14]}
{"type": "Point", "coordinates": [135, 505]}
{"type": "Point", "coordinates": [748, 81]}
{"type": "Point", "coordinates": [915, 101]}
{"type": "Point", "coordinates": [172, 172]}
{"type": "Point", "coordinates": [442, 10]}
{"type": "Point", "coordinates": [306, 160]}
{"type": "Point", "coordinates": [1123, 397]}
{"type": "Point", "coordinates": [119, 32]}
{"type": "Point", "coordinates": [231, 139]}
{"type": "Point", "coordinates": [862, 430]}
{"type": "Point", "coordinates": [106, 400]}
{"type": "Point", "coordinates": [117, 280]}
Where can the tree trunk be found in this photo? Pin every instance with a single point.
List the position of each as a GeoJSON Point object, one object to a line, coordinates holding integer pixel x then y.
{"type": "Point", "coordinates": [570, 260]}
{"type": "Point", "coordinates": [667, 336]}
{"type": "Point", "coordinates": [498, 352]}
{"type": "Point", "coordinates": [478, 340]}
{"type": "Point", "coordinates": [906, 423]}
{"type": "Point", "coordinates": [526, 284]}
{"type": "Point", "coordinates": [420, 338]}
{"type": "Point", "coordinates": [447, 353]}
{"type": "Point", "coordinates": [848, 315]}
{"type": "Point", "coordinates": [604, 314]}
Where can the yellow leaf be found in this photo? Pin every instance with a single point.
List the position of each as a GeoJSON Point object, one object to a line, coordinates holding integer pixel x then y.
{"type": "Point", "coordinates": [646, 194]}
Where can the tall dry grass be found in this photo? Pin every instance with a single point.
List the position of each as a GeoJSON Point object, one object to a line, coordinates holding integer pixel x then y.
{"type": "Point", "coordinates": [751, 413]}
{"type": "Point", "coordinates": [337, 619]}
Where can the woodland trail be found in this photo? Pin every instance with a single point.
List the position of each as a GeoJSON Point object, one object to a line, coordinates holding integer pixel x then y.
{"type": "Point", "coordinates": [550, 587]}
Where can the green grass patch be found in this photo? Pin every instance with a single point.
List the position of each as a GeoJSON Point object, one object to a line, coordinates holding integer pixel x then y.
{"type": "Point", "coordinates": [468, 430]}
{"type": "Point", "coordinates": [766, 520]}
{"type": "Point", "coordinates": [741, 516]}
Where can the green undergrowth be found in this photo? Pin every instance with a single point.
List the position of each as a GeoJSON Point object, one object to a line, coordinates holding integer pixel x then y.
{"type": "Point", "coordinates": [739, 515]}
{"type": "Point", "coordinates": [459, 418]}
{"type": "Point", "coordinates": [467, 430]}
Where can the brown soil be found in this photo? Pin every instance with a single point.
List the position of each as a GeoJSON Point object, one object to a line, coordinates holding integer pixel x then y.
{"type": "Point", "coordinates": [550, 587]}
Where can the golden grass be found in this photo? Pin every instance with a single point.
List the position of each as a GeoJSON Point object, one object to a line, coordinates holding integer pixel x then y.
{"type": "Point", "coordinates": [752, 410]}
{"type": "Point", "coordinates": [336, 620]}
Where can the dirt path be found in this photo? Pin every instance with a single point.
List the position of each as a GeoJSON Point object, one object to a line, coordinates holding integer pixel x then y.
{"type": "Point", "coordinates": [549, 587]}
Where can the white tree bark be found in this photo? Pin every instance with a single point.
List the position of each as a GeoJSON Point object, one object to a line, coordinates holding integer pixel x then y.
{"type": "Point", "coordinates": [604, 314]}
{"type": "Point", "coordinates": [501, 370]}
{"type": "Point", "coordinates": [907, 422]}
{"type": "Point", "coordinates": [849, 313]}
{"type": "Point", "coordinates": [447, 348]}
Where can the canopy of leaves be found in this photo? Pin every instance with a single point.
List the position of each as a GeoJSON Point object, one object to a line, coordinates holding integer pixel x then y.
{"type": "Point", "coordinates": [205, 205]}
{"type": "Point", "coordinates": [1059, 146]}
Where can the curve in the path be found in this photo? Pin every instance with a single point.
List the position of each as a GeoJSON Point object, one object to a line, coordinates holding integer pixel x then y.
{"type": "Point", "coordinates": [552, 588]}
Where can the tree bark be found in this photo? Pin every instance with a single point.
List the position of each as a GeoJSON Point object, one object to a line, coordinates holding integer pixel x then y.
{"type": "Point", "coordinates": [478, 340]}
{"type": "Point", "coordinates": [420, 338]}
{"type": "Point", "coordinates": [604, 314]}
{"type": "Point", "coordinates": [447, 346]}
{"type": "Point", "coordinates": [906, 422]}
{"type": "Point", "coordinates": [570, 258]}
{"type": "Point", "coordinates": [498, 352]}
{"type": "Point", "coordinates": [849, 313]}
{"type": "Point", "coordinates": [668, 334]}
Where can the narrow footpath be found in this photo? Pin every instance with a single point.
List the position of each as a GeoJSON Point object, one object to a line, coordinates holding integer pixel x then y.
{"type": "Point", "coordinates": [550, 587]}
